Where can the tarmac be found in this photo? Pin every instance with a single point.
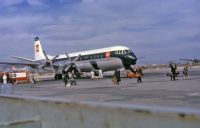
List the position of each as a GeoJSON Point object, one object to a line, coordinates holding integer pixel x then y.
{"type": "Point", "coordinates": [156, 90]}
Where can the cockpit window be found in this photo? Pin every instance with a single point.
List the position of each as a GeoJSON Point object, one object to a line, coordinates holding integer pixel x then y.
{"type": "Point", "coordinates": [127, 51]}
{"type": "Point", "coordinates": [122, 51]}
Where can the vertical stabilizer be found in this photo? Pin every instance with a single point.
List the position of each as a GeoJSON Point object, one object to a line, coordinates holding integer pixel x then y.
{"type": "Point", "coordinates": [39, 55]}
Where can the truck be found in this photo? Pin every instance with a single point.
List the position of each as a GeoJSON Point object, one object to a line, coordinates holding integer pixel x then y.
{"type": "Point", "coordinates": [15, 77]}
{"type": "Point", "coordinates": [18, 77]}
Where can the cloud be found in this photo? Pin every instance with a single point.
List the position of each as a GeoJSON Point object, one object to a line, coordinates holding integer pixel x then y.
{"type": "Point", "coordinates": [7, 3]}
{"type": "Point", "coordinates": [151, 28]}
{"type": "Point", "coordinates": [36, 2]}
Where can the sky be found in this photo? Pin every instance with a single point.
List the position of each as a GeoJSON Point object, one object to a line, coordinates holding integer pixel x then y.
{"type": "Point", "coordinates": [159, 30]}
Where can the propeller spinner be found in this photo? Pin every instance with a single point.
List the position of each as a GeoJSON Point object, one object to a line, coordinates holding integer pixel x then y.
{"type": "Point", "coordinates": [72, 64]}
{"type": "Point", "coordinates": [48, 62]}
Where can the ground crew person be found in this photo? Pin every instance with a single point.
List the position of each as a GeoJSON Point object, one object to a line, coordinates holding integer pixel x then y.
{"type": "Point", "coordinates": [139, 74]}
{"type": "Point", "coordinates": [5, 79]}
{"type": "Point", "coordinates": [174, 71]}
{"type": "Point", "coordinates": [117, 77]}
{"type": "Point", "coordinates": [185, 72]}
{"type": "Point", "coordinates": [100, 74]}
{"type": "Point", "coordinates": [71, 78]}
{"type": "Point", "coordinates": [66, 79]}
{"type": "Point", "coordinates": [32, 79]}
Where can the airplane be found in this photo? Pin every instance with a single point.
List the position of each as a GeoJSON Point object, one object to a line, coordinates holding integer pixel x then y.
{"type": "Point", "coordinates": [193, 60]}
{"type": "Point", "coordinates": [104, 59]}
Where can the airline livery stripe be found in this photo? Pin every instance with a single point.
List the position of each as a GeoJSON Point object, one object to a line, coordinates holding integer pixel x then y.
{"type": "Point", "coordinates": [107, 54]}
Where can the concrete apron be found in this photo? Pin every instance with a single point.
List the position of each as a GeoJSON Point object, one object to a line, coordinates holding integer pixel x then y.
{"type": "Point", "coordinates": [37, 112]}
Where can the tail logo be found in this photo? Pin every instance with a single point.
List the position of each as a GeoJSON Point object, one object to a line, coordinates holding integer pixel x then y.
{"type": "Point", "coordinates": [37, 48]}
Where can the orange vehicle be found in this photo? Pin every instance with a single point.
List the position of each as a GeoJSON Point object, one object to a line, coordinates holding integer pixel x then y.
{"type": "Point", "coordinates": [131, 74]}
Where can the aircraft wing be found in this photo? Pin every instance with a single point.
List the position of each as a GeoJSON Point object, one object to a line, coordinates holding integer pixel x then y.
{"type": "Point", "coordinates": [193, 60]}
{"type": "Point", "coordinates": [24, 59]}
{"type": "Point", "coordinates": [187, 59]}
{"type": "Point", "coordinates": [20, 63]}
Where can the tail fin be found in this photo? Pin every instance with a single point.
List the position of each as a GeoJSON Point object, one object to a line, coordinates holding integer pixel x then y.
{"type": "Point", "coordinates": [39, 55]}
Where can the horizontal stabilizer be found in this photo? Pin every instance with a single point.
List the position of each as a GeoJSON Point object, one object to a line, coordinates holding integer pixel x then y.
{"type": "Point", "coordinates": [25, 59]}
{"type": "Point", "coordinates": [19, 63]}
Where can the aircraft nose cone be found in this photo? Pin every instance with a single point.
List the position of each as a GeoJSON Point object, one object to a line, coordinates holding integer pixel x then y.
{"type": "Point", "coordinates": [132, 59]}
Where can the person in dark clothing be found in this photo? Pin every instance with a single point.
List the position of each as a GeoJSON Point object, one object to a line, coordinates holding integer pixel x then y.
{"type": "Point", "coordinates": [139, 74]}
{"type": "Point", "coordinates": [117, 76]}
{"type": "Point", "coordinates": [66, 79]}
{"type": "Point", "coordinates": [1, 79]}
{"type": "Point", "coordinates": [173, 71]}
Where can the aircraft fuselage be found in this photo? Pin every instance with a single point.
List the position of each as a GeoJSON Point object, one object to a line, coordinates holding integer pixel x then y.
{"type": "Point", "coordinates": [110, 58]}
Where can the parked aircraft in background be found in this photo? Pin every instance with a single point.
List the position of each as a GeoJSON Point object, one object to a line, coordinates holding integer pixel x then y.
{"type": "Point", "coordinates": [193, 60]}
{"type": "Point", "coordinates": [103, 59]}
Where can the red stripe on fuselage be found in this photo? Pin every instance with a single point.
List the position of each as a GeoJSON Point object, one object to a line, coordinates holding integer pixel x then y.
{"type": "Point", "coordinates": [107, 54]}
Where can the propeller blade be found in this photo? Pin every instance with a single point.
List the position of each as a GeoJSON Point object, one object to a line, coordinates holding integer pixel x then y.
{"type": "Point", "coordinates": [52, 67]}
{"type": "Point", "coordinates": [42, 66]}
{"type": "Point", "coordinates": [67, 68]}
{"type": "Point", "coordinates": [71, 64]}
{"type": "Point", "coordinates": [68, 57]}
{"type": "Point", "coordinates": [79, 70]}
{"type": "Point", "coordinates": [48, 62]}
{"type": "Point", "coordinates": [45, 55]}
{"type": "Point", "coordinates": [54, 57]}
{"type": "Point", "coordinates": [77, 58]}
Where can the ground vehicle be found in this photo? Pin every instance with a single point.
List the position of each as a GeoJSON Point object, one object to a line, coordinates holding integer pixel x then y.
{"type": "Point", "coordinates": [19, 77]}
{"type": "Point", "coordinates": [15, 77]}
{"type": "Point", "coordinates": [131, 74]}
